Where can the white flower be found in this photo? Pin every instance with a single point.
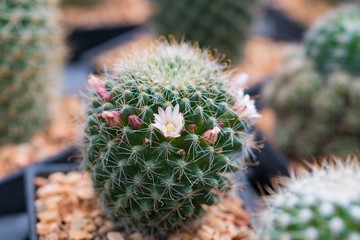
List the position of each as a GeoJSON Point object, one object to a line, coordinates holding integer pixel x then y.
{"type": "Point", "coordinates": [245, 107]}
{"type": "Point", "coordinates": [238, 82]}
{"type": "Point", "coordinates": [169, 122]}
{"type": "Point", "coordinates": [242, 80]}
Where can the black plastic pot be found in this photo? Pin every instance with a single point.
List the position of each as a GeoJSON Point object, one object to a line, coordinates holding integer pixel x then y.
{"type": "Point", "coordinates": [269, 163]}
{"type": "Point", "coordinates": [281, 28]}
{"type": "Point", "coordinates": [13, 216]}
{"type": "Point", "coordinates": [247, 193]}
{"type": "Point", "coordinates": [82, 40]}
{"type": "Point", "coordinates": [13, 186]}
{"type": "Point", "coordinates": [40, 171]}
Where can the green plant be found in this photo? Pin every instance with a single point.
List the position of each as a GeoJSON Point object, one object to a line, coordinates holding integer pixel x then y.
{"type": "Point", "coordinates": [323, 204]}
{"type": "Point", "coordinates": [315, 115]}
{"type": "Point", "coordinates": [333, 43]}
{"type": "Point", "coordinates": [31, 58]}
{"type": "Point", "coordinates": [222, 24]}
{"type": "Point", "coordinates": [81, 3]}
{"type": "Point", "coordinates": [154, 168]}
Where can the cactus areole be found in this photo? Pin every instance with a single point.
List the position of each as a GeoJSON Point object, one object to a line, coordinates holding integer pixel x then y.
{"type": "Point", "coordinates": [162, 135]}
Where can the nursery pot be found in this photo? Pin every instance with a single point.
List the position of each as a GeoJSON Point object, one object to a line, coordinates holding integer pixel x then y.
{"type": "Point", "coordinates": [13, 217]}
{"type": "Point", "coordinates": [82, 40]}
{"type": "Point", "coordinates": [13, 186]}
{"type": "Point", "coordinates": [279, 27]}
{"type": "Point", "coordinates": [40, 171]}
{"type": "Point", "coordinates": [247, 194]}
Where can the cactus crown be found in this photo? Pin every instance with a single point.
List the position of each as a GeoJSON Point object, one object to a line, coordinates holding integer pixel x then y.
{"type": "Point", "coordinates": [321, 204]}
{"type": "Point", "coordinates": [333, 43]}
{"type": "Point", "coordinates": [152, 167]}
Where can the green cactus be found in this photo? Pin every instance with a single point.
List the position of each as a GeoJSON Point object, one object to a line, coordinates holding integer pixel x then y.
{"type": "Point", "coordinates": [81, 3]}
{"type": "Point", "coordinates": [333, 43]}
{"type": "Point", "coordinates": [314, 111]}
{"type": "Point", "coordinates": [31, 57]}
{"type": "Point", "coordinates": [222, 24]}
{"type": "Point", "coordinates": [152, 168]}
{"type": "Point", "coordinates": [323, 204]}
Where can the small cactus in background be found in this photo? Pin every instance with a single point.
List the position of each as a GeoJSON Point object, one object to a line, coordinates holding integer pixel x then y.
{"type": "Point", "coordinates": [322, 204]}
{"type": "Point", "coordinates": [81, 3]}
{"type": "Point", "coordinates": [162, 135]}
{"type": "Point", "coordinates": [31, 58]}
{"type": "Point", "coordinates": [222, 24]}
{"type": "Point", "coordinates": [333, 43]}
{"type": "Point", "coordinates": [316, 115]}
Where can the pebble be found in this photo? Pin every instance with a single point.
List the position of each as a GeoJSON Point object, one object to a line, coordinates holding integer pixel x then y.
{"type": "Point", "coordinates": [114, 236]}
{"type": "Point", "coordinates": [64, 213]}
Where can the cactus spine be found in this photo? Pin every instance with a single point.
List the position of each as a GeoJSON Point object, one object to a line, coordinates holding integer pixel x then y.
{"type": "Point", "coordinates": [322, 204]}
{"type": "Point", "coordinates": [222, 24]}
{"type": "Point", "coordinates": [333, 43]}
{"type": "Point", "coordinates": [161, 134]}
{"type": "Point", "coordinates": [31, 57]}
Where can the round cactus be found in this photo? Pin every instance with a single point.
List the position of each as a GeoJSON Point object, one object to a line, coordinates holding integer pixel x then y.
{"type": "Point", "coordinates": [314, 110]}
{"type": "Point", "coordinates": [31, 58]}
{"type": "Point", "coordinates": [222, 24]}
{"type": "Point", "coordinates": [322, 204]}
{"type": "Point", "coordinates": [162, 133]}
{"type": "Point", "coordinates": [333, 43]}
{"type": "Point", "coordinates": [81, 3]}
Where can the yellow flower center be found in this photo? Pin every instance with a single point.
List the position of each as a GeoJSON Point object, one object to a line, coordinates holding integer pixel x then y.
{"type": "Point", "coordinates": [170, 127]}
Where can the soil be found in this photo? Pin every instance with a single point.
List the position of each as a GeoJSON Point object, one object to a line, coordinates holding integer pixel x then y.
{"type": "Point", "coordinates": [67, 208]}
{"type": "Point", "coordinates": [107, 14]}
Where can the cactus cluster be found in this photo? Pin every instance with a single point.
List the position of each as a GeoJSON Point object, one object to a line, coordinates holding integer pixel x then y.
{"type": "Point", "coordinates": [162, 135]}
{"type": "Point", "coordinates": [31, 57]}
{"type": "Point", "coordinates": [322, 204]}
{"type": "Point", "coordinates": [222, 24]}
{"type": "Point", "coordinates": [315, 117]}
{"type": "Point", "coordinates": [333, 43]}
{"type": "Point", "coordinates": [318, 113]}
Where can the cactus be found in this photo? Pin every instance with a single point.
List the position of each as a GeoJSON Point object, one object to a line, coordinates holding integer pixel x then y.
{"type": "Point", "coordinates": [31, 57]}
{"type": "Point", "coordinates": [314, 112]}
{"type": "Point", "coordinates": [224, 24]}
{"type": "Point", "coordinates": [81, 3]}
{"type": "Point", "coordinates": [322, 204]}
{"type": "Point", "coordinates": [162, 133]}
{"type": "Point", "coordinates": [333, 43]}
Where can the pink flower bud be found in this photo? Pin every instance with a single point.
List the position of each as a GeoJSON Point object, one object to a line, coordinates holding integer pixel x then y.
{"type": "Point", "coordinates": [181, 152]}
{"type": "Point", "coordinates": [191, 128]}
{"type": "Point", "coordinates": [147, 141]}
{"type": "Point", "coordinates": [113, 118]}
{"type": "Point", "coordinates": [221, 124]}
{"type": "Point", "coordinates": [210, 136]}
{"type": "Point", "coordinates": [99, 86]}
{"type": "Point", "coordinates": [134, 122]}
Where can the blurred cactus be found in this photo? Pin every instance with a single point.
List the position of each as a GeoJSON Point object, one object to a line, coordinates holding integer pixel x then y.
{"type": "Point", "coordinates": [31, 57]}
{"type": "Point", "coordinates": [314, 112]}
{"type": "Point", "coordinates": [333, 43]}
{"type": "Point", "coordinates": [322, 204]}
{"type": "Point", "coordinates": [81, 3]}
{"type": "Point", "coordinates": [221, 24]}
{"type": "Point", "coordinates": [161, 134]}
